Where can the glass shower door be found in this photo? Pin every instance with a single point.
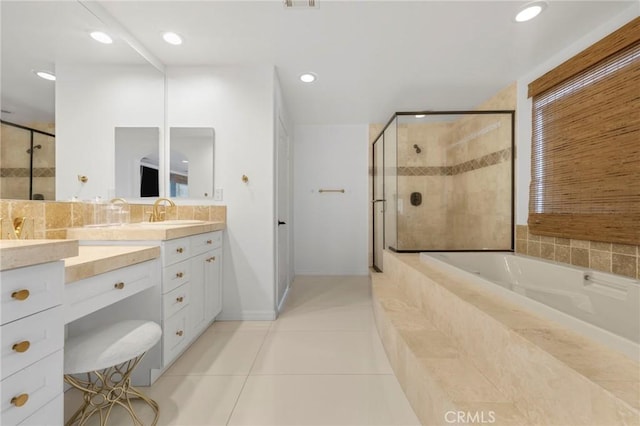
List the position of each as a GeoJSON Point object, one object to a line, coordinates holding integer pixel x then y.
{"type": "Point", "coordinates": [378, 202]}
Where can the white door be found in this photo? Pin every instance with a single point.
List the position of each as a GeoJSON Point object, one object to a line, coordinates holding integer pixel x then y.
{"type": "Point", "coordinates": [284, 223]}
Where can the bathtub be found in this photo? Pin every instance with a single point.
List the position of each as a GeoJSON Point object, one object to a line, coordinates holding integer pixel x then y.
{"type": "Point", "coordinates": [600, 306]}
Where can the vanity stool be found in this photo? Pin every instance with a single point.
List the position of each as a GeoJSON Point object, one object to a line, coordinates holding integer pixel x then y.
{"type": "Point", "coordinates": [108, 356]}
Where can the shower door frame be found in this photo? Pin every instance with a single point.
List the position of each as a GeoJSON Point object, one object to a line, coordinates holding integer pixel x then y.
{"type": "Point", "coordinates": [509, 112]}
{"type": "Point", "coordinates": [377, 260]}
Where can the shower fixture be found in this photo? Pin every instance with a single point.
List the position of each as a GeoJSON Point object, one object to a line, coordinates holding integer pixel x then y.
{"type": "Point", "coordinates": [417, 148]}
{"type": "Point", "coordinates": [29, 151]}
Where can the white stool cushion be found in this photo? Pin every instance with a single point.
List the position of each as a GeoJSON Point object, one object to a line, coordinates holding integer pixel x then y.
{"type": "Point", "coordinates": [109, 346]}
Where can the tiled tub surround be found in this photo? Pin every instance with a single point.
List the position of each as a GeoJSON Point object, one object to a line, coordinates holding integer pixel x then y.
{"type": "Point", "coordinates": [619, 259]}
{"type": "Point", "coordinates": [456, 347]}
{"type": "Point", "coordinates": [52, 218]}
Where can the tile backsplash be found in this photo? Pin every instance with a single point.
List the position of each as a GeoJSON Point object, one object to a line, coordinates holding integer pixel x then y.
{"type": "Point", "coordinates": [52, 218]}
{"type": "Point", "coordinates": [619, 259]}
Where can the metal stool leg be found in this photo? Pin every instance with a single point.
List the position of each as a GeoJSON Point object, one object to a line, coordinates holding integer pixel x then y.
{"type": "Point", "coordinates": [105, 389]}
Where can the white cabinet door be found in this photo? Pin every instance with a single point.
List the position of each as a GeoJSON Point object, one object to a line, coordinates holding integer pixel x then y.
{"type": "Point", "coordinates": [197, 319]}
{"type": "Point", "coordinates": [213, 286]}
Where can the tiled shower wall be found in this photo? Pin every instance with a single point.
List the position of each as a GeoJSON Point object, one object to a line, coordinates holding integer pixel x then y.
{"type": "Point", "coordinates": [51, 218]}
{"type": "Point", "coordinates": [479, 195]}
{"type": "Point", "coordinates": [619, 259]}
{"type": "Point", "coordinates": [15, 162]}
{"type": "Point", "coordinates": [464, 175]}
{"type": "Point", "coordinates": [423, 226]}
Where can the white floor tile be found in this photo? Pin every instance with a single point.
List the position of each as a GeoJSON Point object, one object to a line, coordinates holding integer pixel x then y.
{"type": "Point", "coordinates": [329, 291]}
{"type": "Point", "coordinates": [323, 400]}
{"type": "Point", "coordinates": [230, 326]}
{"type": "Point", "coordinates": [220, 353]}
{"type": "Point", "coordinates": [325, 318]}
{"type": "Point", "coordinates": [322, 352]}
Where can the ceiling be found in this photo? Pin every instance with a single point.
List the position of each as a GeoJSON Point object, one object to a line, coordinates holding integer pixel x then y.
{"type": "Point", "coordinates": [372, 58]}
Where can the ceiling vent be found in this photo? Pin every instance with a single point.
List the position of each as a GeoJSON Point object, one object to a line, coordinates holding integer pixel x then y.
{"type": "Point", "coordinates": [300, 4]}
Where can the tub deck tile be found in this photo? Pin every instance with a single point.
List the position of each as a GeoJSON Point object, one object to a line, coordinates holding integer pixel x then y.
{"type": "Point", "coordinates": [533, 369]}
{"type": "Point", "coordinates": [628, 391]}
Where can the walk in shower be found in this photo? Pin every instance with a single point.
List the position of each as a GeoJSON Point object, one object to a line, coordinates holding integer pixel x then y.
{"type": "Point", "coordinates": [443, 181]}
{"type": "Point", "coordinates": [27, 163]}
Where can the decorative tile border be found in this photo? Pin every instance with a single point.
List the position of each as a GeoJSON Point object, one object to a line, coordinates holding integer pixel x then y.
{"type": "Point", "coordinates": [477, 163]}
{"type": "Point", "coordinates": [618, 259]}
{"type": "Point", "coordinates": [24, 172]}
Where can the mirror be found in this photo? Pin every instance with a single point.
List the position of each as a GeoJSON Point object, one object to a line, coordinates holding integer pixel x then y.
{"type": "Point", "coordinates": [191, 162]}
{"type": "Point", "coordinates": [98, 87]}
{"type": "Point", "coordinates": [137, 162]}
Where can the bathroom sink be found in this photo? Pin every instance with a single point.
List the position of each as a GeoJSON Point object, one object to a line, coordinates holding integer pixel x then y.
{"type": "Point", "coordinates": [172, 222]}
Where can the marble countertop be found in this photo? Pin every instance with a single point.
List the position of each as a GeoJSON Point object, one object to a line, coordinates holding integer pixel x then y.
{"type": "Point", "coordinates": [21, 253]}
{"type": "Point", "coordinates": [157, 231]}
{"type": "Point", "coordinates": [94, 260]}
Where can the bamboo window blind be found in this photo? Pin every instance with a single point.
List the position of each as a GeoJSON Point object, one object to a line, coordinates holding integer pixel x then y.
{"type": "Point", "coordinates": [585, 165]}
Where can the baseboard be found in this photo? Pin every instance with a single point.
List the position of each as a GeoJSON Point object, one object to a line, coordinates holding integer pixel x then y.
{"type": "Point", "coordinates": [247, 316]}
{"type": "Point", "coordinates": [284, 299]}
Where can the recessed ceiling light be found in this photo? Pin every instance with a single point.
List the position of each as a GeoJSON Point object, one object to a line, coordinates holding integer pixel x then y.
{"type": "Point", "coordinates": [308, 77]}
{"type": "Point", "coordinates": [172, 38]}
{"type": "Point", "coordinates": [420, 115]}
{"type": "Point", "coordinates": [101, 37]}
{"type": "Point", "coordinates": [530, 11]}
{"type": "Point", "coordinates": [185, 161]}
{"type": "Point", "coordinates": [47, 75]}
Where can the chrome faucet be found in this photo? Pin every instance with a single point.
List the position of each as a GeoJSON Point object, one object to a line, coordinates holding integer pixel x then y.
{"type": "Point", "coordinates": [157, 215]}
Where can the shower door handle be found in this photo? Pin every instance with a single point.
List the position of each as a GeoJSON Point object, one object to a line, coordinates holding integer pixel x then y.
{"type": "Point", "coordinates": [381, 200]}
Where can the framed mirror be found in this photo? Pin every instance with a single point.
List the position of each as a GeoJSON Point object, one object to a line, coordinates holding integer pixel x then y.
{"type": "Point", "coordinates": [137, 162]}
{"type": "Point", "coordinates": [191, 162]}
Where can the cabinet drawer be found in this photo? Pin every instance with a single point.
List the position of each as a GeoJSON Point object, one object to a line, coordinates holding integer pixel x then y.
{"type": "Point", "coordinates": [30, 339]}
{"type": "Point", "coordinates": [174, 335]}
{"type": "Point", "coordinates": [42, 285]}
{"type": "Point", "coordinates": [86, 296]}
{"type": "Point", "coordinates": [175, 300]}
{"type": "Point", "coordinates": [41, 382]}
{"type": "Point", "coordinates": [50, 414]}
{"type": "Point", "coordinates": [205, 242]}
{"type": "Point", "coordinates": [175, 275]}
{"type": "Point", "coordinates": [174, 251]}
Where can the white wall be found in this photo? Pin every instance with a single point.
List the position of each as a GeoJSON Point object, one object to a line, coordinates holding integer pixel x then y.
{"type": "Point", "coordinates": [91, 101]}
{"type": "Point", "coordinates": [331, 228]}
{"type": "Point", "coordinates": [523, 117]}
{"type": "Point", "coordinates": [238, 103]}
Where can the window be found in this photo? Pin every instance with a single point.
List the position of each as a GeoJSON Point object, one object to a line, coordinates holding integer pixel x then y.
{"type": "Point", "coordinates": [585, 165]}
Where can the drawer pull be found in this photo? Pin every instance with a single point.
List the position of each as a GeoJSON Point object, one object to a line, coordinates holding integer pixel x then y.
{"type": "Point", "coordinates": [179, 249]}
{"type": "Point", "coordinates": [209, 242]}
{"type": "Point", "coordinates": [179, 274]}
{"type": "Point", "coordinates": [179, 332]}
{"type": "Point", "coordinates": [179, 299]}
{"type": "Point", "coordinates": [119, 285]}
{"type": "Point", "coordinates": [22, 346]}
{"type": "Point", "coordinates": [20, 400]}
{"type": "Point", "coordinates": [211, 259]}
{"type": "Point", "coordinates": [21, 294]}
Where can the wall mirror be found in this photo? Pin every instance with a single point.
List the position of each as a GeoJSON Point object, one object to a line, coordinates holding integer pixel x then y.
{"type": "Point", "coordinates": [191, 162]}
{"type": "Point", "coordinates": [137, 162]}
{"type": "Point", "coordinates": [55, 36]}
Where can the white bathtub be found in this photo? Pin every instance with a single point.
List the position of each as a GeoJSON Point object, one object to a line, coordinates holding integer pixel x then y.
{"type": "Point", "coordinates": [601, 306]}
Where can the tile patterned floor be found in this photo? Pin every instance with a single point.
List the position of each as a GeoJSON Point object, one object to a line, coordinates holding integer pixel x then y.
{"type": "Point", "coordinates": [320, 363]}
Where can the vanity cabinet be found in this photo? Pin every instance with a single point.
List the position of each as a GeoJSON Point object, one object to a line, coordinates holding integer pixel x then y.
{"type": "Point", "coordinates": [191, 290]}
{"type": "Point", "coordinates": [32, 336]}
